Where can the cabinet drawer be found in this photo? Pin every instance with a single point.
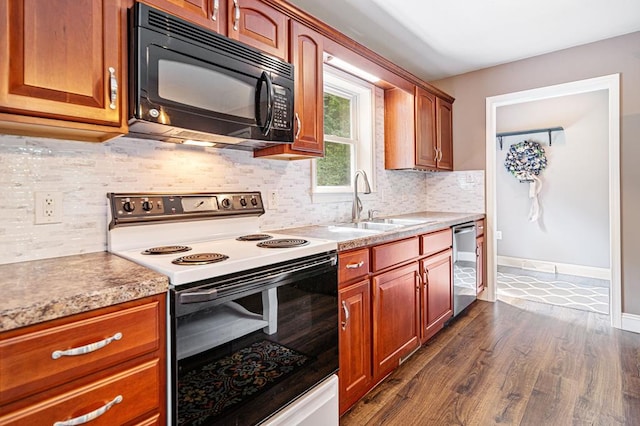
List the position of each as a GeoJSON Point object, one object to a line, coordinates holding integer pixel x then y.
{"type": "Point", "coordinates": [352, 265]}
{"type": "Point", "coordinates": [479, 228]}
{"type": "Point", "coordinates": [436, 241]}
{"type": "Point", "coordinates": [394, 253]}
{"type": "Point", "coordinates": [137, 387]}
{"type": "Point", "coordinates": [27, 363]}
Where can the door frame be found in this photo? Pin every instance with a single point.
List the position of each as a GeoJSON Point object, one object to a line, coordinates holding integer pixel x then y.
{"type": "Point", "coordinates": [611, 83]}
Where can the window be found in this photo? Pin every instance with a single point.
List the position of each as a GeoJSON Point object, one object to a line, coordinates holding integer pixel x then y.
{"type": "Point", "coordinates": [348, 133]}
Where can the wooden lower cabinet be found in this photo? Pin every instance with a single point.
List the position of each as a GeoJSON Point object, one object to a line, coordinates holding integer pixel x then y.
{"type": "Point", "coordinates": [355, 374]}
{"type": "Point", "coordinates": [109, 364]}
{"type": "Point", "coordinates": [396, 305]}
{"type": "Point", "coordinates": [436, 294]}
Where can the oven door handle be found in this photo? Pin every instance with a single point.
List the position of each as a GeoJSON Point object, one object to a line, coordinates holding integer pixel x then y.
{"type": "Point", "coordinates": [213, 293]}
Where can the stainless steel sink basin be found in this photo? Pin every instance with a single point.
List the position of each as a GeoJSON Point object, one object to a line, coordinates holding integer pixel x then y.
{"type": "Point", "coordinates": [370, 227]}
{"type": "Point", "coordinates": [399, 221]}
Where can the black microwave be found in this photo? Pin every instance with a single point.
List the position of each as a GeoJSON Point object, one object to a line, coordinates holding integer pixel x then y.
{"type": "Point", "coordinates": [191, 84]}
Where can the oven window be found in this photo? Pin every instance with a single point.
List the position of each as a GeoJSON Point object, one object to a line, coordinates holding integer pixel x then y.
{"type": "Point", "coordinates": [244, 357]}
{"type": "Point", "coordinates": [206, 88]}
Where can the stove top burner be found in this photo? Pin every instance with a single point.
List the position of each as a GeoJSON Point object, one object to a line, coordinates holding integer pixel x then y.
{"type": "Point", "coordinates": [166, 250]}
{"type": "Point", "coordinates": [283, 243]}
{"type": "Point", "coordinates": [254, 237]}
{"type": "Point", "coordinates": [200, 259]}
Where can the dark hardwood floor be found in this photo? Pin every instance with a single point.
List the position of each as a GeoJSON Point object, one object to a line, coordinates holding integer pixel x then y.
{"type": "Point", "coordinates": [515, 363]}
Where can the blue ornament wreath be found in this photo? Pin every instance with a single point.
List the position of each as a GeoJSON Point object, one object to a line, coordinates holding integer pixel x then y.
{"type": "Point", "coordinates": [525, 159]}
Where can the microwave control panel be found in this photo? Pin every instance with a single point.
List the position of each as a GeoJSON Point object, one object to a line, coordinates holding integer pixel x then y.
{"type": "Point", "coordinates": [281, 109]}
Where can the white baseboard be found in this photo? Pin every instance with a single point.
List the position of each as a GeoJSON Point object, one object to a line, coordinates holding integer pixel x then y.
{"type": "Point", "coordinates": [554, 267]}
{"type": "Point", "coordinates": [631, 322]}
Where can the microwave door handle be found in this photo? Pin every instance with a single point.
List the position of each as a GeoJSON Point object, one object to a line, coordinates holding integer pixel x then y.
{"type": "Point", "coordinates": [266, 126]}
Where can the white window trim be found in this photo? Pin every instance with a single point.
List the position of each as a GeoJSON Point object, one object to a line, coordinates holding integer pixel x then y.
{"type": "Point", "coordinates": [363, 97]}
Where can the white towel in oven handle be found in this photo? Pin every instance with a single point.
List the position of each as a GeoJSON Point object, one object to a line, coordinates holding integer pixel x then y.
{"type": "Point", "coordinates": [211, 294]}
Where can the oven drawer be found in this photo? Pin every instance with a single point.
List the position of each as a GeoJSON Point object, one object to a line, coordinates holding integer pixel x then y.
{"type": "Point", "coordinates": [397, 252]}
{"type": "Point", "coordinates": [436, 242]}
{"type": "Point", "coordinates": [35, 361]}
{"type": "Point", "coordinates": [129, 394]}
{"type": "Point", "coordinates": [352, 265]}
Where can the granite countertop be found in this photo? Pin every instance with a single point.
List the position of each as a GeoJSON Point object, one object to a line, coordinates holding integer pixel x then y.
{"type": "Point", "coordinates": [42, 290]}
{"type": "Point", "coordinates": [348, 240]}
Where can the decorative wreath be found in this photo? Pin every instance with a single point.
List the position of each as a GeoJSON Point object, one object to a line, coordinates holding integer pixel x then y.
{"type": "Point", "coordinates": [525, 159]}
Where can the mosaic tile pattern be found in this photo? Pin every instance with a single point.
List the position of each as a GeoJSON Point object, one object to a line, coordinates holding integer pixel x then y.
{"type": "Point", "coordinates": [577, 295]}
{"type": "Point", "coordinates": [456, 191]}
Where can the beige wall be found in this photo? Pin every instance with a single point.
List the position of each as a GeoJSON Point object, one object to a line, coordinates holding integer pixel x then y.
{"type": "Point", "coordinates": [616, 55]}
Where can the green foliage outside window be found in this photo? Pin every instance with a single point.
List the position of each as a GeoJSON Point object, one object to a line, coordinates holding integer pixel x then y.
{"type": "Point", "coordinates": [335, 168]}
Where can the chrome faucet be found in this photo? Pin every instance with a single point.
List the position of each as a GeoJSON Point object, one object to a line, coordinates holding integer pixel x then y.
{"type": "Point", "coordinates": [357, 204]}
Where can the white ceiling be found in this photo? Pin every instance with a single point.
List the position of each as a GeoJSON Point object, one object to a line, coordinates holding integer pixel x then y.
{"type": "Point", "coordinates": [437, 39]}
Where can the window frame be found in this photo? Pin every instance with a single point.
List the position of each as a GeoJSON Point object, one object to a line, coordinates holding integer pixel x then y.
{"type": "Point", "coordinates": [362, 141]}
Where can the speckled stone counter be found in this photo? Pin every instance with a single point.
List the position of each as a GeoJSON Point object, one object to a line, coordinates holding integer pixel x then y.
{"type": "Point", "coordinates": [42, 290]}
{"type": "Point", "coordinates": [350, 240]}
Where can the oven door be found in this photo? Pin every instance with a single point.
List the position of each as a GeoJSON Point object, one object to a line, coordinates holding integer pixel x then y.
{"type": "Point", "coordinates": [247, 345]}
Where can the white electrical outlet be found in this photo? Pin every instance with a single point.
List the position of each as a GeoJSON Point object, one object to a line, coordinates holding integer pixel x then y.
{"type": "Point", "coordinates": [48, 207]}
{"type": "Point", "coordinates": [273, 200]}
{"type": "Point", "coordinates": [498, 235]}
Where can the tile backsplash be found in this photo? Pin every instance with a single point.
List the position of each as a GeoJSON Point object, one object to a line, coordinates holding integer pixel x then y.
{"type": "Point", "coordinates": [85, 172]}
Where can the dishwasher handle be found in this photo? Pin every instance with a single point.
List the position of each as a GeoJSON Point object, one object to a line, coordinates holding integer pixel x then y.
{"type": "Point", "coordinates": [464, 229]}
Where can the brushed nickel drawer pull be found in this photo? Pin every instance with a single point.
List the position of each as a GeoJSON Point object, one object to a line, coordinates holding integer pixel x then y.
{"type": "Point", "coordinates": [85, 418]}
{"type": "Point", "coordinates": [113, 86]}
{"type": "Point", "coordinates": [439, 155]}
{"type": "Point", "coordinates": [299, 126]}
{"type": "Point", "coordinates": [86, 349]}
{"type": "Point", "coordinates": [236, 15]}
{"type": "Point", "coordinates": [216, 6]}
{"type": "Point", "coordinates": [346, 315]}
{"type": "Point", "coordinates": [354, 265]}
{"type": "Point", "coordinates": [436, 157]}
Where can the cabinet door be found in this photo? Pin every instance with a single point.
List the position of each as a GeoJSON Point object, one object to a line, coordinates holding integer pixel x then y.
{"type": "Point", "coordinates": [399, 129]}
{"type": "Point", "coordinates": [61, 59]}
{"type": "Point", "coordinates": [259, 25]}
{"type": "Point", "coordinates": [305, 53]}
{"type": "Point", "coordinates": [306, 56]}
{"type": "Point", "coordinates": [355, 343]}
{"type": "Point", "coordinates": [480, 264]}
{"type": "Point", "coordinates": [437, 304]}
{"type": "Point", "coordinates": [444, 114]}
{"type": "Point", "coordinates": [395, 317]}
{"type": "Point", "coordinates": [210, 14]}
{"type": "Point", "coordinates": [426, 147]}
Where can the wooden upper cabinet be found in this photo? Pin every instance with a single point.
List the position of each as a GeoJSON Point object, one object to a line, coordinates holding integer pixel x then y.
{"type": "Point", "coordinates": [211, 14]}
{"type": "Point", "coordinates": [399, 129]}
{"type": "Point", "coordinates": [62, 59]}
{"type": "Point", "coordinates": [305, 48]}
{"type": "Point", "coordinates": [259, 25]}
{"type": "Point", "coordinates": [426, 145]}
{"type": "Point", "coordinates": [444, 118]}
{"type": "Point", "coordinates": [418, 130]}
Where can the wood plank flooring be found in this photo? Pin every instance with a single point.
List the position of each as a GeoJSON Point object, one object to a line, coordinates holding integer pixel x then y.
{"type": "Point", "coordinates": [515, 363]}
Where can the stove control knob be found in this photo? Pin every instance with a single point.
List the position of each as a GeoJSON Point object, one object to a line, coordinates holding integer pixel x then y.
{"type": "Point", "coordinates": [128, 206]}
{"type": "Point", "coordinates": [254, 201]}
{"type": "Point", "coordinates": [226, 203]}
{"type": "Point", "coordinates": [243, 202]}
{"type": "Point", "coordinates": [147, 206]}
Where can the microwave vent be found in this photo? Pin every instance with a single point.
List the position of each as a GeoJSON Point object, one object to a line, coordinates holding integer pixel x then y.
{"type": "Point", "coordinates": [169, 24]}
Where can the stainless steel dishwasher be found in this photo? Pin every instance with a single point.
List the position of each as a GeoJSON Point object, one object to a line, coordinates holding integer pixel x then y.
{"type": "Point", "coordinates": [464, 266]}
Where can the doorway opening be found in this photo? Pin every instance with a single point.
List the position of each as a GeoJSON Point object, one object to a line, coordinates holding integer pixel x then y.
{"type": "Point", "coordinates": [611, 85]}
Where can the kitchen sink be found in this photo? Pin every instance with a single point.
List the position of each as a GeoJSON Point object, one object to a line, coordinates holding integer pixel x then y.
{"type": "Point", "coordinates": [375, 226]}
{"type": "Point", "coordinates": [399, 221]}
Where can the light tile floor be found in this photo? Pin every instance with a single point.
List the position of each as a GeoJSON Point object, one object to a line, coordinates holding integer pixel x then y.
{"type": "Point", "coordinates": [587, 294]}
